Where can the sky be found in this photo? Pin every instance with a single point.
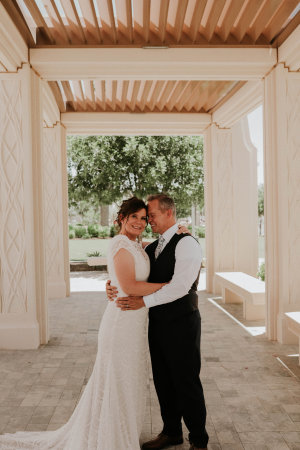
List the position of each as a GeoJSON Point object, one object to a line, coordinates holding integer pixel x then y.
{"type": "Point", "coordinates": [255, 120]}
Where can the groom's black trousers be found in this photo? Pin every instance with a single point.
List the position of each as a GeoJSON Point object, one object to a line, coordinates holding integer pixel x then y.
{"type": "Point", "coordinates": [175, 355]}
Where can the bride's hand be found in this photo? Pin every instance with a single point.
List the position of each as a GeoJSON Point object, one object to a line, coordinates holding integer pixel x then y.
{"type": "Point", "coordinates": [111, 291]}
{"type": "Point", "coordinates": [182, 229]}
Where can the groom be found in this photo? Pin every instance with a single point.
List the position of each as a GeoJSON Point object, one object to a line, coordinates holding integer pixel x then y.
{"type": "Point", "coordinates": [174, 328]}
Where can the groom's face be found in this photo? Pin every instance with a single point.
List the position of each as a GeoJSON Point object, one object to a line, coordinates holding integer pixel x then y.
{"type": "Point", "coordinates": [158, 219]}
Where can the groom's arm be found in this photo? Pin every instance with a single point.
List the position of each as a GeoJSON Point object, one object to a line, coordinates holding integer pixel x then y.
{"type": "Point", "coordinates": [188, 257]}
{"type": "Point", "coordinates": [188, 262]}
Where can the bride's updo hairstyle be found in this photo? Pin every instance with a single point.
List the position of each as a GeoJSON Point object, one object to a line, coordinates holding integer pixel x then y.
{"type": "Point", "coordinates": [129, 206]}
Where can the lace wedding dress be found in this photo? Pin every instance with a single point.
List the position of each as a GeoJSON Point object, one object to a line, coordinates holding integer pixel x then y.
{"type": "Point", "coordinates": [109, 415]}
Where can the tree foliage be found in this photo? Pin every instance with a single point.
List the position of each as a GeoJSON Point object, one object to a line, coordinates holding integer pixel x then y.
{"type": "Point", "coordinates": [261, 207]}
{"type": "Point", "coordinates": [104, 169]}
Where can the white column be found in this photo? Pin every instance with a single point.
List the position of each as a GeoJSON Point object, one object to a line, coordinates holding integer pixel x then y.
{"type": "Point", "coordinates": [230, 201]}
{"type": "Point", "coordinates": [23, 290]}
{"type": "Point", "coordinates": [282, 198]}
{"type": "Point", "coordinates": [53, 167]}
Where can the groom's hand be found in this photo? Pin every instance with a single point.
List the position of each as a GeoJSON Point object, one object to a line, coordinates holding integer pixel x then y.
{"type": "Point", "coordinates": [130, 303]}
{"type": "Point", "coordinates": [111, 291]}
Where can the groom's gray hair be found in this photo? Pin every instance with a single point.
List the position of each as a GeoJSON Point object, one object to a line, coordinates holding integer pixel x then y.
{"type": "Point", "coordinates": [165, 202]}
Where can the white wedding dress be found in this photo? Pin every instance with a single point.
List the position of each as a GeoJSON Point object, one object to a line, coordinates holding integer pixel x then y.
{"type": "Point", "coordinates": [109, 415]}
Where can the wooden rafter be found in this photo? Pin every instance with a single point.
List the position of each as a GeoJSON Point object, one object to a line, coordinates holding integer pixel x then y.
{"type": "Point", "coordinates": [279, 18]}
{"type": "Point", "coordinates": [93, 33]}
{"type": "Point", "coordinates": [247, 17]}
{"type": "Point", "coordinates": [264, 16]}
{"type": "Point", "coordinates": [163, 16]}
{"type": "Point", "coordinates": [232, 12]}
{"type": "Point", "coordinates": [39, 20]}
{"type": "Point", "coordinates": [58, 96]}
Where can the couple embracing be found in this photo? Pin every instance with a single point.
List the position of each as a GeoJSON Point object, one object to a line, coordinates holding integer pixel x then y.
{"type": "Point", "coordinates": [162, 279]}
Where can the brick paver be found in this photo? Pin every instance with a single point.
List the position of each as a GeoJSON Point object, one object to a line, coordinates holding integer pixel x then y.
{"type": "Point", "coordinates": [253, 401]}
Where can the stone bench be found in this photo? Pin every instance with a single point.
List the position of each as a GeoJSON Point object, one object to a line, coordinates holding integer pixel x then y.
{"type": "Point", "coordinates": [293, 321]}
{"type": "Point", "coordinates": [238, 287]}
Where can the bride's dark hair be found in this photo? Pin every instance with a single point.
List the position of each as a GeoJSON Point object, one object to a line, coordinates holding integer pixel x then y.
{"type": "Point", "coordinates": [130, 206]}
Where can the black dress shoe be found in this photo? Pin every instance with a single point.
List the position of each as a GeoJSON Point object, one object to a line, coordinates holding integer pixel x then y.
{"type": "Point", "coordinates": [162, 441]}
{"type": "Point", "coordinates": [192, 447]}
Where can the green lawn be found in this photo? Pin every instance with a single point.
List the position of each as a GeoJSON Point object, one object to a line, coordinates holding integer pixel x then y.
{"type": "Point", "coordinates": [80, 247]}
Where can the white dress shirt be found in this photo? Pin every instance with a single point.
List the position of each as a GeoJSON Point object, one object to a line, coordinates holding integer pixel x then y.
{"type": "Point", "coordinates": [188, 258]}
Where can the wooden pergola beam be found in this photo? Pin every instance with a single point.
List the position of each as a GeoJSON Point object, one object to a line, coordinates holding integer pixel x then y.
{"type": "Point", "coordinates": [135, 124]}
{"type": "Point", "coordinates": [153, 64]}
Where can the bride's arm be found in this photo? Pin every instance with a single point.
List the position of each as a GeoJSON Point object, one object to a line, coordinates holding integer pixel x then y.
{"type": "Point", "coordinates": [125, 271]}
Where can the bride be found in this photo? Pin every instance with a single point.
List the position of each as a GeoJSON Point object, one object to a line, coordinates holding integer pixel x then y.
{"type": "Point", "coordinates": [109, 415]}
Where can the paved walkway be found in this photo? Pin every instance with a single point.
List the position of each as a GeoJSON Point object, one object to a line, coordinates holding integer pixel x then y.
{"type": "Point", "coordinates": [253, 401]}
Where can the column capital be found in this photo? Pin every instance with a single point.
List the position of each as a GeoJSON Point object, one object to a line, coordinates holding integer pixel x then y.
{"type": "Point", "coordinates": [289, 51]}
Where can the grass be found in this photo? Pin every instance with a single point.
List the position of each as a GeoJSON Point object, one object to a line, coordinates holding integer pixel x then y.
{"type": "Point", "coordinates": [80, 247]}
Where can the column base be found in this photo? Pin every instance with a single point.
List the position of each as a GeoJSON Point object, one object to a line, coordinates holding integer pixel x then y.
{"type": "Point", "coordinates": [21, 335]}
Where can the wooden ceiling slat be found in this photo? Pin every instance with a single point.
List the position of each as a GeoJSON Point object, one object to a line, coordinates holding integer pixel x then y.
{"type": "Point", "coordinates": [58, 95]}
{"type": "Point", "coordinates": [229, 19]}
{"type": "Point", "coordinates": [244, 22]}
{"type": "Point", "coordinates": [156, 91]}
{"type": "Point", "coordinates": [107, 18]}
{"type": "Point", "coordinates": [170, 86]}
{"type": "Point", "coordinates": [100, 94]}
{"type": "Point", "coordinates": [268, 10]}
{"type": "Point", "coordinates": [73, 21]}
{"type": "Point", "coordinates": [180, 15]}
{"type": "Point", "coordinates": [175, 94]}
{"type": "Point", "coordinates": [124, 17]}
{"type": "Point", "coordinates": [163, 16]}
{"type": "Point", "coordinates": [278, 20]}
{"type": "Point", "coordinates": [213, 18]}
{"type": "Point", "coordinates": [185, 95]}
{"type": "Point", "coordinates": [69, 94]}
{"type": "Point", "coordinates": [288, 29]}
{"type": "Point", "coordinates": [146, 19]}
{"type": "Point", "coordinates": [195, 93]}
{"type": "Point", "coordinates": [145, 94]}
{"type": "Point", "coordinates": [91, 23]}
{"type": "Point", "coordinates": [39, 20]}
{"type": "Point", "coordinates": [79, 95]}
{"type": "Point", "coordinates": [57, 21]}
{"type": "Point", "coordinates": [89, 94]}
{"type": "Point", "coordinates": [18, 19]}
{"type": "Point", "coordinates": [201, 100]}
{"type": "Point", "coordinates": [217, 93]}
{"type": "Point", "coordinates": [141, 19]}
{"type": "Point", "coordinates": [114, 94]}
{"type": "Point", "coordinates": [124, 95]}
{"type": "Point", "coordinates": [196, 20]}
{"type": "Point", "coordinates": [238, 85]}
{"type": "Point", "coordinates": [134, 94]}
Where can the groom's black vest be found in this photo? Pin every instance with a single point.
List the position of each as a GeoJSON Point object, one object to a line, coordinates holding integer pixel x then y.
{"type": "Point", "coordinates": [161, 271]}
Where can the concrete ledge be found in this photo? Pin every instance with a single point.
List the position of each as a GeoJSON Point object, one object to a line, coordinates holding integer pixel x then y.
{"type": "Point", "coordinates": [238, 287]}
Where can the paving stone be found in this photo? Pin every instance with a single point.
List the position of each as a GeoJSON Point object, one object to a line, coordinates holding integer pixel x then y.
{"type": "Point", "coordinates": [252, 400]}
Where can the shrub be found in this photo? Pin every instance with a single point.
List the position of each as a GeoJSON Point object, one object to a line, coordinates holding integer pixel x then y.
{"type": "Point", "coordinates": [86, 236]}
{"type": "Point", "coordinates": [95, 253]}
{"type": "Point", "coordinates": [71, 235]}
{"type": "Point", "coordinates": [112, 231]}
{"type": "Point", "coordinates": [80, 231]}
{"type": "Point", "coordinates": [200, 232]}
{"type": "Point", "coordinates": [103, 232]}
{"type": "Point", "coordinates": [93, 230]}
{"type": "Point", "coordinates": [261, 272]}
{"type": "Point", "coordinates": [71, 227]}
{"type": "Point", "coordinates": [147, 233]}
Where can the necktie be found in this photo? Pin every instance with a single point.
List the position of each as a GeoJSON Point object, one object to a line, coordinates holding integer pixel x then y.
{"type": "Point", "coordinates": [159, 247]}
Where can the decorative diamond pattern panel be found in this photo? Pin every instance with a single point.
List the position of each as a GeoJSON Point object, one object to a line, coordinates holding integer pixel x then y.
{"type": "Point", "coordinates": [224, 198]}
{"type": "Point", "coordinates": [51, 200]}
{"type": "Point", "coordinates": [13, 288]}
{"type": "Point", "coordinates": [293, 155]}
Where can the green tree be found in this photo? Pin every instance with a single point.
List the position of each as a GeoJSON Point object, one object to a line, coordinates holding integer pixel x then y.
{"type": "Point", "coordinates": [105, 169]}
{"type": "Point", "coordinates": [261, 206]}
